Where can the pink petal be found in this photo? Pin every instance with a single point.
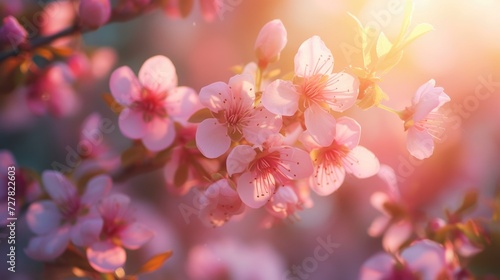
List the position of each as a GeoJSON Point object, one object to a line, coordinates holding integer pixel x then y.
{"type": "Point", "coordinates": [135, 235]}
{"type": "Point", "coordinates": [106, 257]}
{"type": "Point", "coordinates": [124, 85]}
{"type": "Point", "coordinates": [378, 199]}
{"type": "Point", "coordinates": [59, 188]}
{"type": "Point", "coordinates": [298, 161]}
{"type": "Point", "coordinates": [49, 246]}
{"type": "Point", "coordinates": [325, 181]}
{"type": "Point", "coordinates": [388, 175]}
{"type": "Point", "coordinates": [428, 98]}
{"type": "Point", "coordinates": [215, 96]}
{"type": "Point", "coordinates": [396, 235]}
{"type": "Point", "coordinates": [239, 159]}
{"type": "Point", "coordinates": [253, 192]}
{"type": "Point", "coordinates": [243, 90]}
{"type": "Point", "coordinates": [306, 139]}
{"type": "Point", "coordinates": [132, 123]}
{"type": "Point", "coordinates": [158, 74]}
{"type": "Point", "coordinates": [313, 57]}
{"type": "Point", "coordinates": [348, 132]}
{"type": "Point", "coordinates": [281, 98]}
{"type": "Point", "coordinates": [342, 91]}
{"type": "Point", "coordinates": [97, 187]}
{"type": "Point", "coordinates": [181, 103]}
{"type": "Point", "coordinates": [262, 125]}
{"type": "Point", "coordinates": [115, 206]}
{"type": "Point", "coordinates": [378, 225]}
{"type": "Point", "coordinates": [425, 257]}
{"type": "Point", "coordinates": [320, 124]}
{"type": "Point", "coordinates": [211, 8]}
{"type": "Point", "coordinates": [86, 231]}
{"type": "Point", "coordinates": [212, 139]}
{"type": "Point", "coordinates": [160, 134]}
{"type": "Point", "coordinates": [361, 163]}
{"type": "Point", "coordinates": [378, 267]}
{"type": "Point", "coordinates": [43, 216]}
{"type": "Point", "coordinates": [91, 123]}
{"type": "Point", "coordinates": [270, 42]}
{"type": "Point", "coordinates": [63, 101]}
{"type": "Point", "coordinates": [419, 143]}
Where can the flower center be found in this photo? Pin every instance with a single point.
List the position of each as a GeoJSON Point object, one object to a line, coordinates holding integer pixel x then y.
{"type": "Point", "coordinates": [311, 89]}
{"type": "Point", "coordinates": [70, 209]}
{"type": "Point", "coordinates": [151, 105]}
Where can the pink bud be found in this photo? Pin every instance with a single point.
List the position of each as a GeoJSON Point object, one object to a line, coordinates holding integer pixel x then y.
{"type": "Point", "coordinates": [94, 13]}
{"type": "Point", "coordinates": [12, 32]}
{"type": "Point", "coordinates": [270, 41]}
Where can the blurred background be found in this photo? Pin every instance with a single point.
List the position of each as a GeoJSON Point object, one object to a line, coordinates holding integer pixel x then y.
{"type": "Point", "coordinates": [462, 54]}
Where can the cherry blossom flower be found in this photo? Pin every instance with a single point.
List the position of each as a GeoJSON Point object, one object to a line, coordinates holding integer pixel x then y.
{"type": "Point", "coordinates": [424, 259]}
{"type": "Point", "coordinates": [219, 202]}
{"type": "Point", "coordinates": [283, 203]}
{"type": "Point", "coordinates": [270, 42]}
{"type": "Point", "coordinates": [263, 169]}
{"type": "Point", "coordinates": [12, 33]}
{"type": "Point", "coordinates": [119, 230]}
{"type": "Point", "coordinates": [66, 217]}
{"type": "Point", "coordinates": [235, 116]}
{"type": "Point", "coordinates": [94, 13]}
{"type": "Point", "coordinates": [423, 121]}
{"type": "Point", "coordinates": [152, 102]}
{"type": "Point", "coordinates": [315, 91]}
{"type": "Point", "coordinates": [342, 156]}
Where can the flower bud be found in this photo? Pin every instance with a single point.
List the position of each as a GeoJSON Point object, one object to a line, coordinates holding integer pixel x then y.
{"type": "Point", "coordinates": [270, 41]}
{"type": "Point", "coordinates": [12, 32]}
{"type": "Point", "coordinates": [94, 13]}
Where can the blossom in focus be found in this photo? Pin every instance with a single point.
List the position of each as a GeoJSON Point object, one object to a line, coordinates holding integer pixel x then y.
{"type": "Point", "coordinates": [11, 32]}
{"type": "Point", "coordinates": [315, 91]}
{"type": "Point", "coordinates": [423, 121]}
{"type": "Point", "coordinates": [264, 169]}
{"type": "Point", "coordinates": [235, 116]}
{"type": "Point", "coordinates": [66, 217]}
{"type": "Point", "coordinates": [219, 202]}
{"type": "Point", "coordinates": [270, 42]}
{"type": "Point", "coordinates": [343, 155]}
{"type": "Point", "coordinates": [119, 230]}
{"type": "Point", "coordinates": [94, 13]}
{"type": "Point", "coordinates": [424, 259]}
{"type": "Point", "coordinates": [152, 102]}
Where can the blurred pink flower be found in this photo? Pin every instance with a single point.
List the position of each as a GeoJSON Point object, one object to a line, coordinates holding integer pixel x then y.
{"type": "Point", "coordinates": [12, 33]}
{"type": "Point", "coordinates": [423, 120]}
{"type": "Point", "coordinates": [219, 202]}
{"type": "Point", "coordinates": [56, 16]}
{"type": "Point", "coordinates": [153, 102]}
{"type": "Point", "coordinates": [235, 116]}
{"type": "Point", "coordinates": [66, 217]}
{"type": "Point", "coordinates": [270, 42]}
{"type": "Point", "coordinates": [209, 8]}
{"type": "Point", "coordinates": [315, 91]}
{"type": "Point", "coordinates": [119, 230]}
{"type": "Point", "coordinates": [343, 155]}
{"type": "Point", "coordinates": [263, 169]}
{"type": "Point", "coordinates": [283, 203]}
{"type": "Point", "coordinates": [424, 259]}
{"type": "Point", "coordinates": [94, 13]}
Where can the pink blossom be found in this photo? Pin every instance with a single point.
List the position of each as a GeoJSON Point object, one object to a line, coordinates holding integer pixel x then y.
{"type": "Point", "coordinates": [283, 203]}
{"type": "Point", "coordinates": [264, 169]}
{"type": "Point", "coordinates": [12, 33]}
{"type": "Point", "coordinates": [211, 8]}
{"type": "Point", "coordinates": [66, 217]}
{"type": "Point", "coordinates": [152, 102]}
{"type": "Point", "coordinates": [94, 13]}
{"type": "Point", "coordinates": [423, 119]}
{"type": "Point", "coordinates": [56, 16]}
{"type": "Point", "coordinates": [315, 91]}
{"type": "Point", "coordinates": [235, 116]}
{"type": "Point", "coordinates": [119, 230]}
{"type": "Point", "coordinates": [343, 155]}
{"type": "Point", "coordinates": [219, 202]}
{"type": "Point", "coordinates": [270, 42]}
{"type": "Point", "coordinates": [424, 260]}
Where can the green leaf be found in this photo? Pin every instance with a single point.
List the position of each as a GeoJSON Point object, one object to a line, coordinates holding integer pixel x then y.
{"type": "Point", "coordinates": [388, 62]}
{"type": "Point", "coordinates": [134, 154]}
{"type": "Point", "coordinates": [200, 115]}
{"type": "Point", "coordinates": [416, 33]}
{"type": "Point", "coordinates": [155, 262]}
{"type": "Point", "coordinates": [486, 262]}
{"type": "Point", "coordinates": [373, 95]}
{"type": "Point", "coordinates": [365, 50]}
{"type": "Point", "coordinates": [406, 21]}
{"type": "Point", "coordinates": [383, 45]}
{"type": "Point", "coordinates": [468, 203]}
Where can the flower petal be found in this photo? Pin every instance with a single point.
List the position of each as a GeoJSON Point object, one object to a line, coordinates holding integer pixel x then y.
{"type": "Point", "coordinates": [158, 74]}
{"type": "Point", "coordinates": [59, 188]}
{"type": "Point", "coordinates": [212, 139]}
{"type": "Point", "coordinates": [380, 266]}
{"type": "Point", "coordinates": [160, 134]}
{"type": "Point", "coordinates": [43, 216]}
{"type": "Point", "coordinates": [105, 256]}
{"type": "Point", "coordinates": [243, 90]}
{"type": "Point", "coordinates": [320, 124]}
{"type": "Point", "coordinates": [378, 225]}
{"type": "Point", "coordinates": [86, 231]}
{"type": "Point", "coordinates": [419, 143]}
{"type": "Point", "coordinates": [97, 187]}
{"type": "Point", "coordinates": [181, 103]}
{"type": "Point", "coordinates": [326, 179]}
{"type": "Point", "coordinates": [341, 91]}
{"type": "Point", "coordinates": [49, 246]}
{"type": "Point", "coordinates": [361, 162]}
{"type": "Point", "coordinates": [135, 235]}
{"type": "Point", "coordinates": [281, 98]}
{"type": "Point", "coordinates": [124, 85]}
{"type": "Point", "coordinates": [239, 159]}
{"type": "Point", "coordinates": [348, 132]}
{"type": "Point", "coordinates": [261, 125]}
{"type": "Point", "coordinates": [215, 96]}
{"type": "Point", "coordinates": [298, 163]}
{"type": "Point", "coordinates": [396, 235]}
{"type": "Point", "coordinates": [132, 124]}
{"type": "Point", "coordinates": [425, 257]}
{"type": "Point", "coordinates": [313, 57]}
{"type": "Point", "coordinates": [427, 99]}
{"type": "Point", "coordinates": [253, 192]}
